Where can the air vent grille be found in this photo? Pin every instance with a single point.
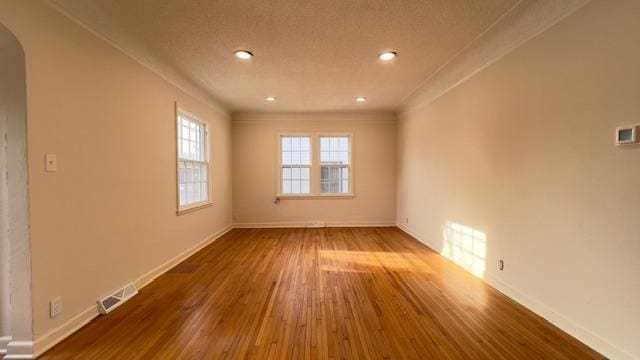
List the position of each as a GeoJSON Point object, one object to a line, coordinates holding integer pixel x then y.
{"type": "Point", "coordinates": [109, 303]}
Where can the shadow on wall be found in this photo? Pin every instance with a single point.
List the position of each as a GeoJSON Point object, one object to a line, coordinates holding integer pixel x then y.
{"type": "Point", "coordinates": [465, 246]}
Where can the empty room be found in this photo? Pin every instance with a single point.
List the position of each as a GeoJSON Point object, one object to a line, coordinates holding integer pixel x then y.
{"type": "Point", "coordinates": [319, 179]}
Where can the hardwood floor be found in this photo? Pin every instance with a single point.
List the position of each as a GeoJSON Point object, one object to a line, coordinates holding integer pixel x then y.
{"type": "Point", "coordinates": [365, 293]}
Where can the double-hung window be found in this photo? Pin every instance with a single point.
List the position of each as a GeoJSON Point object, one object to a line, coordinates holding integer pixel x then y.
{"type": "Point", "coordinates": [295, 165]}
{"type": "Point", "coordinates": [193, 162]}
{"type": "Point", "coordinates": [315, 165]}
{"type": "Point", "coordinates": [335, 163]}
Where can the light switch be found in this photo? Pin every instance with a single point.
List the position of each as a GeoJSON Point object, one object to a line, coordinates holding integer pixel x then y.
{"type": "Point", "coordinates": [51, 163]}
{"type": "Point", "coordinates": [55, 307]}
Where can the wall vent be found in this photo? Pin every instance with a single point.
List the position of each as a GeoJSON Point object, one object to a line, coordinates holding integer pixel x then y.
{"type": "Point", "coordinates": [109, 303]}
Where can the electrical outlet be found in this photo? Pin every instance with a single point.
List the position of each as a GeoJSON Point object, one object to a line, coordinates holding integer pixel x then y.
{"type": "Point", "coordinates": [406, 220]}
{"type": "Point", "coordinates": [55, 307]}
{"type": "Point", "coordinates": [501, 264]}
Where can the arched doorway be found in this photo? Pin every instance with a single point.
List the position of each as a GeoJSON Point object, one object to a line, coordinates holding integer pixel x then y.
{"type": "Point", "coordinates": [16, 333]}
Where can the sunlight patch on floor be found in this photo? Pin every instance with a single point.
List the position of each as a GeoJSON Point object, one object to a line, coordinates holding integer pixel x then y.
{"type": "Point", "coordinates": [349, 261]}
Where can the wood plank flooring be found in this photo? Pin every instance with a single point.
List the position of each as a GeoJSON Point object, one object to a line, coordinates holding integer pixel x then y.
{"type": "Point", "coordinates": [348, 293]}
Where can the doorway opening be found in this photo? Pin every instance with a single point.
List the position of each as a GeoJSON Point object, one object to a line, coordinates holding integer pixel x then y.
{"type": "Point", "coordinates": [16, 333]}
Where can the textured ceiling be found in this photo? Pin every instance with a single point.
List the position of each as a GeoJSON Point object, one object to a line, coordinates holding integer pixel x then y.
{"type": "Point", "coordinates": [313, 55]}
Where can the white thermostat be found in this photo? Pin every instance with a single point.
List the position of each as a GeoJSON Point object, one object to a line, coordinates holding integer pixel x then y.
{"type": "Point", "coordinates": [626, 135]}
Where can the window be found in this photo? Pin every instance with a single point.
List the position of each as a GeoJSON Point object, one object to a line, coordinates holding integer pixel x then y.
{"type": "Point", "coordinates": [296, 165]}
{"type": "Point", "coordinates": [316, 165]}
{"type": "Point", "coordinates": [193, 162]}
{"type": "Point", "coordinates": [335, 160]}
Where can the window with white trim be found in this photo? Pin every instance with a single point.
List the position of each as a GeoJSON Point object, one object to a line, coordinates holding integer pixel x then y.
{"type": "Point", "coordinates": [295, 165]}
{"type": "Point", "coordinates": [335, 164]}
{"type": "Point", "coordinates": [193, 162]}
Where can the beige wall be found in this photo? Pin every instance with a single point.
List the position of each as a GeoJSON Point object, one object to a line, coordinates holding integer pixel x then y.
{"type": "Point", "coordinates": [111, 123]}
{"type": "Point", "coordinates": [255, 166]}
{"type": "Point", "coordinates": [523, 151]}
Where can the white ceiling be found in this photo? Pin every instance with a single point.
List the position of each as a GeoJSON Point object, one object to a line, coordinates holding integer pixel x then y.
{"type": "Point", "coordinates": [314, 55]}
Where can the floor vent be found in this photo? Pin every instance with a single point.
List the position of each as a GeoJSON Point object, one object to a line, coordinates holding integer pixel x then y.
{"type": "Point", "coordinates": [111, 302]}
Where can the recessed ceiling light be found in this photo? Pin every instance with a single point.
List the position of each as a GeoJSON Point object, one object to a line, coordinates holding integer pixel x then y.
{"type": "Point", "coordinates": [387, 55]}
{"type": "Point", "coordinates": [271, 98]}
{"type": "Point", "coordinates": [361, 99]}
{"type": "Point", "coordinates": [243, 54]}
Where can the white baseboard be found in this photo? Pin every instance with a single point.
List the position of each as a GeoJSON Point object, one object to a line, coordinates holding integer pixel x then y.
{"type": "Point", "coordinates": [19, 350]}
{"type": "Point", "coordinates": [539, 308]}
{"type": "Point", "coordinates": [4, 341]}
{"type": "Point", "coordinates": [302, 224]}
{"type": "Point", "coordinates": [585, 336]}
{"type": "Point", "coordinates": [145, 279]}
{"type": "Point", "coordinates": [48, 340]}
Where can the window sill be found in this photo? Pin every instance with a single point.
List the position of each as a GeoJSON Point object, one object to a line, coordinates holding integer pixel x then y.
{"type": "Point", "coordinates": [193, 208]}
{"type": "Point", "coordinates": [315, 197]}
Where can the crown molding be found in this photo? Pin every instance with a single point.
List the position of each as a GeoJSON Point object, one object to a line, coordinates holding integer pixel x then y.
{"type": "Point", "coordinates": [523, 22]}
{"type": "Point", "coordinates": [139, 54]}
{"type": "Point", "coordinates": [264, 117]}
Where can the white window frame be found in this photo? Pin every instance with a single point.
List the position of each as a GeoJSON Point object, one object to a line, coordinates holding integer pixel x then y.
{"type": "Point", "coordinates": [315, 166]}
{"type": "Point", "coordinates": [282, 166]}
{"type": "Point", "coordinates": [182, 209]}
{"type": "Point", "coordinates": [348, 166]}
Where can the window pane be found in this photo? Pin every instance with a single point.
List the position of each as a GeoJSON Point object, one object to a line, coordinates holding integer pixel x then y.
{"type": "Point", "coordinates": [333, 187]}
{"type": "Point", "coordinates": [295, 186]}
{"type": "Point", "coordinates": [181, 173]}
{"type": "Point", "coordinates": [286, 158]}
{"type": "Point", "coordinates": [305, 187]}
{"type": "Point", "coordinates": [324, 143]}
{"type": "Point", "coordinates": [188, 173]}
{"type": "Point", "coordinates": [306, 158]}
{"type": "Point", "coordinates": [344, 144]}
{"type": "Point", "coordinates": [334, 179]}
{"type": "Point", "coordinates": [306, 174]}
{"type": "Point", "coordinates": [204, 191]}
{"type": "Point", "coordinates": [183, 192]}
{"type": "Point", "coordinates": [286, 144]}
{"type": "Point", "coordinates": [324, 156]}
{"type": "Point", "coordinates": [334, 174]}
{"type": "Point", "coordinates": [295, 173]}
{"type": "Point", "coordinates": [295, 144]}
{"type": "Point", "coordinates": [192, 151]}
{"type": "Point", "coordinates": [196, 174]}
{"type": "Point", "coordinates": [334, 150]}
{"type": "Point", "coordinates": [204, 172]}
{"type": "Point", "coordinates": [334, 144]}
{"type": "Point", "coordinates": [196, 192]}
{"type": "Point", "coordinates": [184, 149]}
{"type": "Point", "coordinates": [305, 144]}
{"type": "Point", "coordinates": [295, 157]}
{"type": "Point", "coordinates": [344, 157]}
{"type": "Point", "coordinates": [193, 177]}
{"type": "Point", "coordinates": [189, 196]}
